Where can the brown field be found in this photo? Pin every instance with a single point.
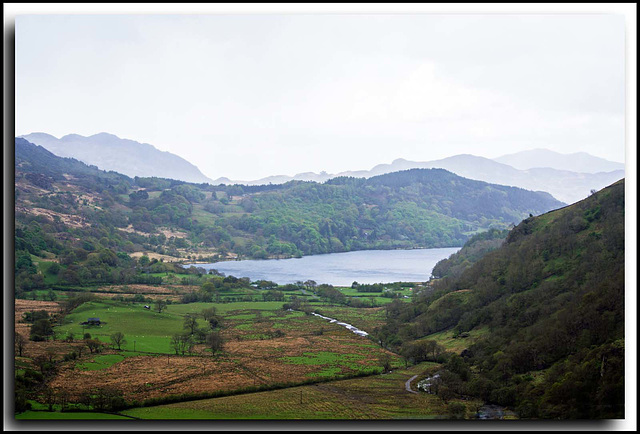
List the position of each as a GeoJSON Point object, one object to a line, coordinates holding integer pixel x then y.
{"type": "Point", "coordinates": [33, 349]}
{"type": "Point", "coordinates": [144, 377]}
{"type": "Point", "coordinates": [154, 292]}
{"type": "Point", "coordinates": [28, 187]}
{"type": "Point", "coordinates": [205, 252]}
{"type": "Point", "coordinates": [92, 199]}
{"type": "Point", "coordinates": [154, 297]}
{"type": "Point", "coordinates": [244, 363]}
{"type": "Point", "coordinates": [167, 232]}
{"type": "Point", "coordinates": [24, 306]}
{"type": "Point", "coordinates": [145, 289]}
{"type": "Point", "coordinates": [308, 348]}
{"type": "Point", "coordinates": [57, 349]}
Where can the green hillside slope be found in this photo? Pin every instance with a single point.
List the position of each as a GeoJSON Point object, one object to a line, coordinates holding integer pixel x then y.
{"type": "Point", "coordinates": [550, 303]}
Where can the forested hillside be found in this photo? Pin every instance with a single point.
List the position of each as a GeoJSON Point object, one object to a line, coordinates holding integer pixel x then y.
{"type": "Point", "coordinates": [474, 249]}
{"type": "Point", "coordinates": [546, 310]}
{"type": "Point", "coordinates": [94, 223]}
{"type": "Point", "coordinates": [414, 208]}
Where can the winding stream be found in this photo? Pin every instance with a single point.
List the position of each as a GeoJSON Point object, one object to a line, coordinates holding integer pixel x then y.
{"type": "Point", "coordinates": [343, 324]}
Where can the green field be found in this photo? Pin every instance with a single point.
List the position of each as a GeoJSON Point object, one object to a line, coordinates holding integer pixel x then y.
{"type": "Point", "coordinates": [149, 331]}
{"type": "Point", "coordinates": [223, 308]}
{"type": "Point", "coordinates": [333, 363]}
{"type": "Point", "coordinates": [146, 329]}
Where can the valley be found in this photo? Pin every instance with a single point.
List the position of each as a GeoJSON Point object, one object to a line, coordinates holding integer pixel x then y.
{"type": "Point", "coordinates": [117, 317]}
{"type": "Point", "coordinates": [384, 217]}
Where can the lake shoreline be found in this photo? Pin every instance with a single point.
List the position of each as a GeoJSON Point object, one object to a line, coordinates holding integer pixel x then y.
{"type": "Point", "coordinates": [339, 269]}
{"type": "Point", "coordinates": [281, 257]}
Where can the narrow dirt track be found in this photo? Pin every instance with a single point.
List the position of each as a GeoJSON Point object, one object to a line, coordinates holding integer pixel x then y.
{"type": "Point", "coordinates": [407, 385]}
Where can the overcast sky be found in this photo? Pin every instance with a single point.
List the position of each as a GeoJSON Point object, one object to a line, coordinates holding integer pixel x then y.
{"type": "Point", "coordinates": [248, 96]}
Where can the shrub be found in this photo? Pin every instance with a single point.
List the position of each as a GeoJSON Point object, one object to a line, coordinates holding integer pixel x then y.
{"type": "Point", "coordinates": [457, 410]}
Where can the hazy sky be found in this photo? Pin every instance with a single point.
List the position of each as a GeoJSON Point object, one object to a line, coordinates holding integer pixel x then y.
{"type": "Point", "coordinates": [247, 96]}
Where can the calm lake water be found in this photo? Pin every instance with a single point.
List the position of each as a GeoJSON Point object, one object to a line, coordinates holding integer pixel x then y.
{"type": "Point", "coordinates": [341, 269]}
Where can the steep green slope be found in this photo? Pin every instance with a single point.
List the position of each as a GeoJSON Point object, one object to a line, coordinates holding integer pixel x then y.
{"type": "Point", "coordinates": [552, 298]}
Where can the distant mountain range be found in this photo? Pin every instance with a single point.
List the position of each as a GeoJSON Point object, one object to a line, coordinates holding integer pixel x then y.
{"type": "Point", "coordinates": [568, 177]}
{"type": "Point", "coordinates": [577, 162]}
{"type": "Point", "coordinates": [131, 158]}
{"type": "Point", "coordinates": [565, 185]}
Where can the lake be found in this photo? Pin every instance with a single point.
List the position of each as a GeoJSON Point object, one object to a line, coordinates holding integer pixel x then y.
{"type": "Point", "coordinates": [341, 269]}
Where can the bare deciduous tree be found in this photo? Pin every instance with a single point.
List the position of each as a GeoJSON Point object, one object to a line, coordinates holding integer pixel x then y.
{"type": "Point", "coordinates": [181, 344]}
{"type": "Point", "coordinates": [94, 345]}
{"type": "Point", "coordinates": [118, 339]}
{"type": "Point", "coordinates": [215, 342]}
{"type": "Point", "coordinates": [160, 305]}
{"type": "Point", "coordinates": [20, 344]}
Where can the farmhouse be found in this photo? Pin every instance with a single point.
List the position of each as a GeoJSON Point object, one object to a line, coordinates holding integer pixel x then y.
{"type": "Point", "coordinates": [92, 321]}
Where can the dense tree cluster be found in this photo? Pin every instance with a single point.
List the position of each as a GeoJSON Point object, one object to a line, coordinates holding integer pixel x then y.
{"type": "Point", "coordinates": [428, 208]}
{"type": "Point", "coordinates": [474, 249]}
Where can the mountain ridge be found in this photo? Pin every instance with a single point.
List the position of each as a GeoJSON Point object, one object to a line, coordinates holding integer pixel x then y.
{"type": "Point", "coordinates": [129, 157]}
{"type": "Point", "coordinates": [566, 186]}
{"type": "Point", "coordinates": [581, 162]}
{"type": "Point", "coordinates": [112, 153]}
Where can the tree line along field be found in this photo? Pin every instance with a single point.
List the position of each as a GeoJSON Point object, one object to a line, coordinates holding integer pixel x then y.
{"type": "Point", "coordinates": [266, 345]}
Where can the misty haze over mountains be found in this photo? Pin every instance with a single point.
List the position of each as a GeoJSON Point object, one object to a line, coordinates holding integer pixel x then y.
{"type": "Point", "coordinates": [568, 177]}
{"type": "Point", "coordinates": [577, 162]}
{"type": "Point", "coordinates": [566, 185]}
{"type": "Point", "coordinates": [109, 152]}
